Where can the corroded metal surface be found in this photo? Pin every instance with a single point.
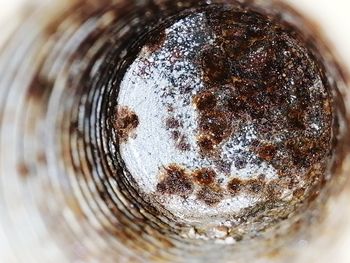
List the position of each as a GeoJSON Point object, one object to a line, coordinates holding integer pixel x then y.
{"type": "Point", "coordinates": [161, 130]}
{"type": "Point", "coordinates": [238, 94]}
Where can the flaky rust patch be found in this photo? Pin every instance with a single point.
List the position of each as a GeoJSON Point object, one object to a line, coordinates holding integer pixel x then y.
{"type": "Point", "coordinates": [235, 186]}
{"type": "Point", "coordinates": [126, 122]}
{"type": "Point", "coordinates": [262, 77]}
{"type": "Point", "coordinates": [180, 181]}
{"type": "Point", "coordinates": [177, 180]}
{"type": "Point", "coordinates": [255, 186]}
{"type": "Point", "coordinates": [261, 83]}
{"type": "Point", "coordinates": [174, 180]}
{"type": "Point", "coordinates": [204, 176]}
{"type": "Point", "coordinates": [266, 151]}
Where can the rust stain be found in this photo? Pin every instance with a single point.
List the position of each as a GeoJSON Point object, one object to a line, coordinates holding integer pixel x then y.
{"type": "Point", "coordinates": [23, 170]}
{"type": "Point", "coordinates": [299, 193]}
{"type": "Point", "coordinates": [244, 73]}
{"type": "Point", "coordinates": [235, 186]}
{"type": "Point", "coordinates": [175, 181]}
{"type": "Point", "coordinates": [256, 186]}
{"type": "Point", "coordinates": [204, 176]}
{"type": "Point", "coordinates": [205, 101]}
{"type": "Point", "coordinates": [210, 195]}
{"type": "Point", "coordinates": [266, 152]}
{"type": "Point", "coordinates": [155, 42]}
{"type": "Point", "coordinates": [126, 122]}
{"type": "Point", "coordinates": [206, 144]}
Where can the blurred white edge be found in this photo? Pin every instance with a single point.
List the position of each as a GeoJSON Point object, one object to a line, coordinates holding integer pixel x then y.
{"type": "Point", "coordinates": [334, 20]}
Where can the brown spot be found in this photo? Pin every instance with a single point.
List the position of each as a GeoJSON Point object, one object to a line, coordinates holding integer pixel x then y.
{"type": "Point", "coordinates": [254, 186]}
{"type": "Point", "coordinates": [205, 101]}
{"type": "Point", "coordinates": [215, 66]}
{"type": "Point", "coordinates": [210, 196]}
{"type": "Point", "coordinates": [266, 152]}
{"type": "Point", "coordinates": [327, 107]}
{"type": "Point", "coordinates": [235, 186]}
{"type": "Point", "coordinates": [156, 41]}
{"type": "Point", "coordinates": [172, 123]}
{"type": "Point", "coordinates": [299, 193]}
{"type": "Point", "coordinates": [206, 144]}
{"type": "Point", "coordinates": [303, 151]}
{"type": "Point", "coordinates": [38, 87]}
{"type": "Point", "coordinates": [312, 197]}
{"type": "Point", "coordinates": [175, 181]}
{"type": "Point", "coordinates": [126, 123]}
{"type": "Point", "coordinates": [204, 176]}
{"type": "Point", "coordinates": [296, 118]}
{"type": "Point", "coordinates": [23, 170]}
{"type": "Point", "coordinates": [215, 124]}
